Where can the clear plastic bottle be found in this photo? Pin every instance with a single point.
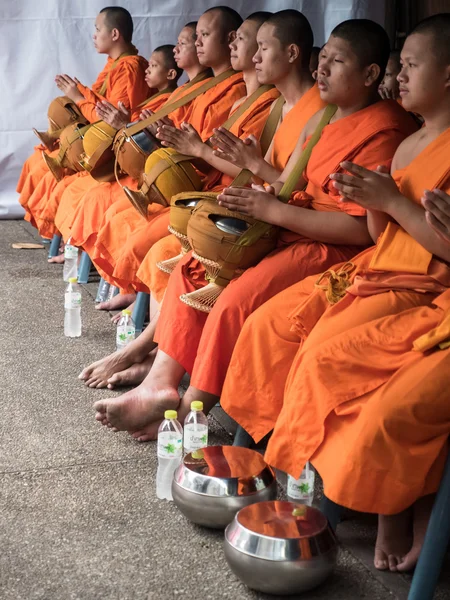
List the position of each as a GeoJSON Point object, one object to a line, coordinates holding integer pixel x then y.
{"type": "Point", "coordinates": [170, 451]}
{"type": "Point", "coordinates": [72, 305]}
{"type": "Point", "coordinates": [302, 490]}
{"type": "Point", "coordinates": [103, 291]}
{"type": "Point", "coordinates": [195, 432]}
{"type": "Point", "coordinates": [126, 330]}
{"type": "Point", "coordinates": [70, 262]}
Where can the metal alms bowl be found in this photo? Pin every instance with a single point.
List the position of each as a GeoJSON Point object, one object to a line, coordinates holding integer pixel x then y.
{"type": "Point", "coordinates": [212, 484]}
{"type": "Point", "coordinates": [280, 547]}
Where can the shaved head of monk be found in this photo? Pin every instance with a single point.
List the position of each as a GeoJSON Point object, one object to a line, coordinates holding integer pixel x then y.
{"type": "Point", "coordinates": [216, 29]}
{"type": "Point", "coordinates": [352, 63]}
{"type": "Point", "coordinates": [113, 26]}
{"type": "Point", "coordinates": [185, 52]}
{"type": "Point", "coordinates": [244, 45]}
{"type": "Point", "coordinates": [425, 76]}
{"type": "Point", "coordinates": [285, 42]}
{"type": "Point", "coordinates": [162, 70]}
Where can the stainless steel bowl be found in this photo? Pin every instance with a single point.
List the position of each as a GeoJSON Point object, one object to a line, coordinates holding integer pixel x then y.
{"type": "Point", "coordinates": [280, 547]}
{"type": "Point", "coordinates": [212, 484]}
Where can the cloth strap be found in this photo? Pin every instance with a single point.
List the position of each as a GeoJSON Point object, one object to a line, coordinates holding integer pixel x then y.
{"type": "Point", "coordinates": [102, 90]}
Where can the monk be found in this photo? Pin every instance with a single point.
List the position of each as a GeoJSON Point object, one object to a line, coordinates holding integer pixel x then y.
{"type": "Point", "coordinates": [86, 200]}
{"type": "Point", "coordinates": [162, 75]}
{"type": "Point", "coordinates": [361, 382]}
{"type": "Point", "coordinates": [187, 141]}
{"type": "Point", "coordinates": [302, 100]}
{"type": "Point", "coordinates": [215, 29]}
{"type": "Point", "coordinates": [389, 87]}
{"type": "Point", "coordinates": [363, 127]}
{"type": "Point", "coordinates": [314, 61]}
{"type": "Point", "coordinates": [124, 75]}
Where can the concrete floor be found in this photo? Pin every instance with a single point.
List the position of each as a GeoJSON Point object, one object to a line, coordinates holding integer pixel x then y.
{"type": "Point", "coordinates": [79, 518]}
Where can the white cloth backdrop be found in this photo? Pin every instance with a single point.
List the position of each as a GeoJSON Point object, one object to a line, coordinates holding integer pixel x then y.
{"type": "Point", "coordinates": [40, 39]}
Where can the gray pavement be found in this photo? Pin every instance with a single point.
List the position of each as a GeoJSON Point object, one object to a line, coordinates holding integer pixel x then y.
{"type": "Point", "coordinates": [79, 518]}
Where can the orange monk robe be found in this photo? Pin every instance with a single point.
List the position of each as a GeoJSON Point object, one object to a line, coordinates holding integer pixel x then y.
{"type": "Point", "coordinates": [125, 83]}
{"type": "Point", "coordinates": [139, 243]}
{"type": "Point", "coordinates": [203, 344]}
{"type": "Point", "coordinates": [49, 219]}
{"type": "Point", "coordinates": [207, 112]}
{"type": "Point", "coordinates": [344, 392]}
{"type": "Point", "coordinates": [283, 145]}
{"type": "Point", "coordinates": [85, 204]}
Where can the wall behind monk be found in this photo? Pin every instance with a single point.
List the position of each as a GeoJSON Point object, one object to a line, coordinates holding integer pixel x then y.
{"type": "Point", "coordinates": [40, 39]}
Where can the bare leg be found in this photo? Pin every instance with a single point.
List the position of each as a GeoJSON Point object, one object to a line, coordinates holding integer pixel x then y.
{"type": "Point", "coordinates": [103, 372]}
{"type": "Point", "coordinates": [59, 259]}
{"type": "Point", "coordinates": [146, 404]}
{"type": "Point", "coordinates": [393, 540]}
{"type": "Point", "coordinates": [422, 511]}
{"type": "Point", "coordinates": [192, 393]}
{"type": "Point", "coordinates": [117, 303]}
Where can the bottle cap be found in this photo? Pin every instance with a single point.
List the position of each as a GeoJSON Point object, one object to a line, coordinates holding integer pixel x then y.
{"type": "Point", "coordinates": [126, 312]}
{"type": "Point", "coordinates": [170, 414]}
{"type": "Point", "coordinates": [196, 405]}
{"type": "Point", "coordinates": [73, 280]}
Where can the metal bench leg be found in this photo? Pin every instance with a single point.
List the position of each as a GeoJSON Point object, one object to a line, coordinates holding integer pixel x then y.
{"type": "Point", "coordinates": [435, 545]}
{"type": "Point", "coordinates": [242, 438]}
{"type": "Point", "coordinates": [332, 511]}
{"type": "Point", "coordinates": [140, 310]}
{"type": "Point", "coordinates": [84, 268]}
{"type": "Point", "coordinates": [54, 246]}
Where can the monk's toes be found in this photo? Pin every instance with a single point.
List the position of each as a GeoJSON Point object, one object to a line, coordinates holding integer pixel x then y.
{"type": "Point", "coordinates": [85, 374]}
{"type": "Point", "coordinates": [393, 563]}
{"type": "Point", "coordinates": [408, 562]}
{"type": "Point", "coordinates": [381, 561]}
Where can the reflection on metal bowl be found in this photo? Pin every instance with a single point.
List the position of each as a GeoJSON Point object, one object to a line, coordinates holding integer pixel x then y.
{"type": "Point", "coordinates": [230, 224]}
{"type": "Point", "coordinates": [212, 484]}
{"type": "Point", "coordinates": [280, 547]}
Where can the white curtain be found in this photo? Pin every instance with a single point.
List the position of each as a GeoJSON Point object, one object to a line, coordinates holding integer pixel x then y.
{"type": "Point", "coordinates": [41, 39]}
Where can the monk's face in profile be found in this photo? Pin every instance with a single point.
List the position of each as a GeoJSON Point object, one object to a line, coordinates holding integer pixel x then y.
{"type": "Point", "coordinates": [185, 52]}
{"type": "Point", "coordinates": [244, 46]}
{"type": "Point", "coordinates": [103, 37]}
{"type": "Point", "coordinates": [212, 42]}
{"type": "Point", "coordinates": [390, 83]}
{"type": "Point", "coordinates": [424, 80]}
{"type": "Point", "coordinates": [156, 74]}
{"type": "Point", "coordinates": [272, 62]}
{"type": "Point", "coordinates": [341, 78]}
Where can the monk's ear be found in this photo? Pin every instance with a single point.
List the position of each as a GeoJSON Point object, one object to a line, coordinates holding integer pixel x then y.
{"type": "Point", "coordinates": [372, 74]}
{"type": "Point", "coordinates": [231, 37]}
{"type": "Point", "coordinates": [171, 75]}
{"type": "Point", "coordinates": [115, 34]}
{"type": "Point", "coordinates": [293, 52]}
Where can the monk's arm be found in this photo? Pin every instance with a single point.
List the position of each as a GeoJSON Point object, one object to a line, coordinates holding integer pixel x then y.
{"type": "Point", "coordinates": [206, 153]}
{"type": "Point", "coordinates": [281, 179]}
{"type": "Point", "coordinates": [321, 226]}
{"type": "Point", "coordinates": [412, 218]}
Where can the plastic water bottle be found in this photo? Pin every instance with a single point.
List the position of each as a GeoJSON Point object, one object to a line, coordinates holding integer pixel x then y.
{"type": "Point", "coordinates": [126, 330]}
{"type": "Point", "coordinates": [103, 291]}
{"type": "Point", "coordinates": [170, 449]}
{"type": "Point", "coordinates": [70, 262]}
{"type": "Point", "coordinates": [195, 433]}
{"type": "Point", "coordinates": [72, 305]}
{"type": "Point", "coordinates": [302, 490]}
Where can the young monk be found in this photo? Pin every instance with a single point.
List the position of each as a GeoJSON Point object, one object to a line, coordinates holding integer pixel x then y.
{"type": "Point", "coordinates": [314, 61]}
{"type": "Point", "coordinates": [364, 127]}
{"type": "Point", "coordinates": [354, 383]}
{"type": "Point", "coordinates": [279, 61]}
{"type": "Point", "coordinates": [389, 87]}
{"type": "Point", "coordinates": [215, 29]}
{"type": "Point", "coordinates": [124, 75]}
{"type": "Point", "coordinates": [162, 74]}
{"type": "Point", "coordinates": [89, 200]}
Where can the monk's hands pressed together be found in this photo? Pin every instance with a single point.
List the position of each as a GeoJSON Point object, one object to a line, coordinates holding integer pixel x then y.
{"type": "Point", "coordinates": [69, 87]}
{"type": "Point", "coordinates": [437, 206]}
{"type": "Point", "coordinates": [153, 128]}
{"type": "Point", "coordinates": [185, 139]}
{"type": "Point", "coordinates": [373, 190]}
{"type": "Point", "coordinates": [242, 153]}
{"type": "Point", "coordinates": [116, 117]}
{"type": "Point", "coordinates": [258, 202]}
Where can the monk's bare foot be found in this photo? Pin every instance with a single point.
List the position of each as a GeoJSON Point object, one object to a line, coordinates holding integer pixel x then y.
{"type": "Point", "coordinates": [133, 375]}
{"type": "Point", "coordinates": [117, 303]}
{"type": "Point", "coordinates": [147, 434]}
{"type": "Point", "coordinates": [422, 512]}
{"type": "Point", "coordinates": [393, 540]}
{"type": "Point", "coordinates": [97, 374]}
{"type": "Point", "coordinates": [138, 408]}
{"type": "Point", "coordinates": [116, 318]}
{"type": "Point", "coordinates": [57, 260]}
